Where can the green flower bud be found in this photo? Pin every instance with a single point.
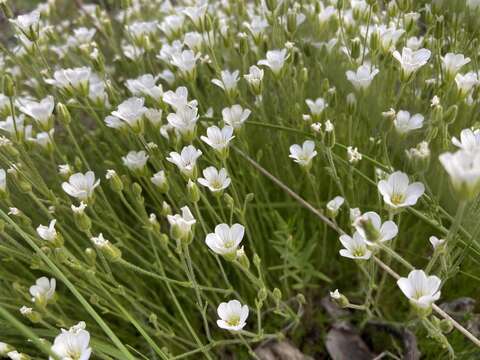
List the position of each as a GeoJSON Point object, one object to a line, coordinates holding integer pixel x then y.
{"type": "Point", "coordinates": [193, 192]}
{"type": "Point", "coordinates": [63, 114]}
{"type": "Point", "coordinates": [91, 256]}
{"type": "Point", "coordinates": [8, 86]}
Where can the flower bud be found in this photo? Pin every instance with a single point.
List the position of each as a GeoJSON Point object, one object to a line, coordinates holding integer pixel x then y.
{"type": "Point", "coordinates": [339, 299]}
{"type": "Point", "coordinates": [166, 209]}
{"type": "Point", "coordinates": [242, 258]}
{"type": "Point", "coordinates": [8, 86]}
{"type": "Point", "coordinates": [329, 134]}
{"type": "Point", "coordinates": [91, 256]}
{"type": "Point", "coordinates": [63, 114]}
{"type": "Point", "coordinates": [193, 192]}
{"type": "Point", "coordinates": [115, 181]}
{"type": "Point", "coordinates": [262, 294]}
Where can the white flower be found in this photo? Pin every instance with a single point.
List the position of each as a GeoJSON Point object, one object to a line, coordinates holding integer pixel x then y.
{"type": "Point", "coordinates": [370, 227]}
{"type": "Point", "coordinates": [232, 315]}
{"type": "Point", "coordinates": [355, 247]}
{"type": "Point", "coordinates": [47, 233]}
{"type": "Point", "coordinates": [99, 241]}
{"type": "Point", "coordinates": [235, 116]}
{"type": "Point", "coordinates": [452, 63]}
{"type": "Point", "coordinates": [184, 120]}
{"type": "Point", "coordinates": [215, 180]}
{"type": "Point", "coordinates": [226, 239]}
{"type": "Point", "coordinates": [275, 59]}
{"type": "Point", "coordinates": [414, 42]}
{"type": "Point", "coordinates": [217, 138]}
{"type": "Point", "coordinates": [353, 155]}
{"type": "Point", "coordinates": [388, 36]}
{"type": "Point", "coordinates": [404, 122]}
{"type": "Point", "coordinates": [139, 29]}
{"type": "Point", "coordinates": [145, 85]}
{"type": "Point", "coordinates": [76, 78]}
{"type": "Point", "coordinates": [178, 99]}
{"type": "Point", "coordinates": [81, 186]}
{"type": "Point", "coordinates": [159, 179]}
{"type": "Point", "coordinates": [316, 106]}
{"type": "Point", "coordinates": [131, 111]}
{"type": "Point", "coordinates": [43, 290]}
{"type": "Point", "coordinates": [228, 80]}
{"type": "Point", "coordinates": [304, 154]}
{"type": "Point", "coordinates": [39, 111]}
{"type": "Point", "coordinates": [420, 289]}
{"type": "Point", "coordinates": [154, 116]}
{"type": "Point", "coordinates": [464, 170]}
{"type": "Point", "coordinates": [132, 52]}
{"type": "Point", "coordinates": [9, 124]}
{"type": "Point", "coordinates": [171, 24]}
{"type": "Point", "coordinates": [411, 60]}
{"type": "Point", "coordinates": [185, 61]}
{"type": "Point", "coordinates": [254, 77]}
{"type": "Point", "coordinates": [362, 78]}
{"type": "Point", "coordinates": [186, 160]}
{"type": "Point", "coordinates": [81, 35]}
{"type": "Point", "coordinates": [196, 13]}
{"type": "Point", "coordinates": [3, 180]}
{"type": "Point", "coordinates": [73, 344]}
{"type": "Point", "coordinates": [181, 225]}
{"type": "Point", "coordinates": [335, 204]}
{"type": "Point", "coordinates": [27, 22]}
{"type": "Point", "coordinates": [43, 139]}
{"type": "Point", "coordinates": [469, 140]}
{"type": "Point", "coordinates": [135, 160]}
{"type": "Point", "coordinates": [436, 242]}
{"type": "Point", "coordinates": [398, 193]}
{"type": "Point", "coordinates": [194, 41]}
{"type": "Point", "coordinates": [79, 209]}
{"type": "Point", "coordinates": [466, 82]}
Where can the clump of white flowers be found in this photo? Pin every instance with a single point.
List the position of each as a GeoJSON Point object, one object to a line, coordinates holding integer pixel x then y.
{"type": "Point", "coordinates": [186, 176]}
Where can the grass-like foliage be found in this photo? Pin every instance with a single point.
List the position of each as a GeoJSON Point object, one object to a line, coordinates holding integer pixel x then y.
{"type": "Point", "coordinates": [202, 179]}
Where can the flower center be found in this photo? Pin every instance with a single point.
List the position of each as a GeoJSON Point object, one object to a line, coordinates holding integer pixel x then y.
{"type": "Point", "coordinates": [397, 198]}
{"type": "Point", "coordinates": [234, 320]}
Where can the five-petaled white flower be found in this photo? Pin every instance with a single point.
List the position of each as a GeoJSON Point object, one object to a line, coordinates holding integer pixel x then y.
{"type": "Point", "coordinates": [469, 140]}
{"type": "Point", "coordinates": [76, 78]}
{"type": "Point", "coordinates": [217, 138]}
{"type": "Point", "coordinates": [397, 192]}
{"type": "Point", "coordinates": [465, 83]}
{"type": "Point", "coordinates": [181, 225]}
{"type": "Point", "coordinates": [186, 160]}
{"type": "Point", "coordinates": [411, 60]}
{"type": "Point", "coordinates": [226, 239]}
{"type": "Point", "coordinates": [355, 247]}
{"type": "Point", "coordinates": [73, 344]}
{"type": "Point", "coordinates": [228, 81]}
{"type": "Point", "coordinates": [232, 315]}
{"type": "Point", "coordinates": [215, 180]}
{"type": "Point", "coordinates": [452, 63]}
{"type": "Point", "coordinates": [464, 170]}
{"type": "Point", "coordinates": [81, 186]}
{"type": "Point", "coordinates": [363, 77]}
{"type": "Point", "coordinates": [145, 85]}
{"type": "Point", "coordinates": [43, 290]}
{"type": "Point", "coordinates": [275, 59]}
{"type": "Point", "coordinates": [135, 160]}
{"type": "Point", "coordinates": [235, 116]}
{"type": "Point", "coordinates": [316, 106]}
{"type": "Point", "coordinates": [185, 61]}
{"type": "Point", "coordinates": [404, 122]}
{"type": "Point", "coordinates": [38, 111]}
{"type": "Point", "coordinates": [131, 111]}
{"type": "Point", "coordinates": [420, 289]}
{"type": "Point", "coordinates": [184, 120]}
{"type": "Point", "coordinates": [304, 154]}
{"type": "Point", "coordinates": [27, 22]}
{"type": "Point", "coordinates": [370, 227]}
